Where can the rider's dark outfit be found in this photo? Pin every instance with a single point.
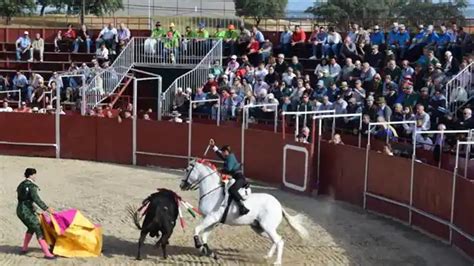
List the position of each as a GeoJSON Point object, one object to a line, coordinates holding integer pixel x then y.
{"type": "Point", "coordinates": [233, 167]}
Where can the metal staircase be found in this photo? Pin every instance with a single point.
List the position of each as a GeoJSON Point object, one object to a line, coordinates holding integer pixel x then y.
{"type": "Point", "coordinates": [459, 89]}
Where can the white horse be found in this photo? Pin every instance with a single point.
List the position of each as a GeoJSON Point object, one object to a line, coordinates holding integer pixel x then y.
{"type": "Point", "coordinates": [264, 217]}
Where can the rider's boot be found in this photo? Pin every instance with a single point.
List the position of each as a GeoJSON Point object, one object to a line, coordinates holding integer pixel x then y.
{"type": "Point", "coordinates": [242, 209]}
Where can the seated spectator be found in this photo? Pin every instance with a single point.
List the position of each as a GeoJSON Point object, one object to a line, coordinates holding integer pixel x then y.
{"type": "Point", "coordinates": [359, 92]}
{"type": "Point", "coordinates": [377, 37]}
{"type": "Point", "coordinates": [383, 109]}
{"type": "Point", "coordinates": [301, 138]}
{"type": "Point", "coordinates": [84, 36]}
{"type": "Point", "coordinates": [258, 35]}
{"type": "Point", "coordinates": [108, 36]}
{"type": "Point", "coordinates": [243, 39]}
{"type": "Point", "coordinates": [253, 50]}
{"type": "Point", "coordinates": [375, 58]}
{"type": "Point", "coordinates": [181, 101]}
{"type": "Point", "coordinates": [336, 139]}
{"type": "Point", "coordinates": [333, 43]}
{"type": "Point", "coordinates": [407, 72]}
{"type": "Point", "coordinates": [259, 86]}
{"type": "Point", "coordinates": [37, 46]}
{"type": "Point", "coordinates": [403, 42]}
{"type": "Point", "coordinates": [57, 41]}
{"type": "Point", "coordinates": [298, 42]}
{"type": "Point", "coordinates": [393, 70]}
{"type": "Point", "coordinates": [6, 108]}
{"type": "Point", "coordinates": [334, 69]}
{"type": "Point", "coordinates": [424, 141]}
{"type": "Point", "coordinates": [22, 44]}
{"type": "Point", "coordinates": [102, 54]}
{"type": "Point", "coordinates": [385, 131]}
{"type": "Point", "coordinates": [317, 40]}
{"type": "Point", "coordinates": [265, 51]}
{"type": "Point", "coordinates": [295, 64]}
{"type": "Point", "coordinates": [281, 66]}
{"type": "Point", "coordinates": [288, 76]}
{"type": "Point", "coordinates": [463, 42]}
{"type": "Point", "coordinates": [124, 36]}
{"type": "Point", "coordinates": [23, 108]}
{"type": "Point", "coordinates": [451, 65]}
{"type": "Point", "coordinates": [232, 104]}
{"type": "Point", "coordinates": [321, 67]}
{"type": "Point", "coordinates": [286, 38]}
{"type": "Point", "coordinates": [232, 67]}
{"type": "Point", "coordinates": [427, 59]}
{"type": "Point", "coordinates": [67, 39]}
{"type": "Point", "coordinates": [211, 82]}
{"type": "Point", "coordinates": [467, 121]}
{"type": "Point", "coordinates": [409, 97]}
{"type": "Point", "coordinates": [370, 108]}
{"type": "Point", "coordinates": [367, 73]}
{"type": "Point", "coordinates": [349, 50]}
{"type": "Point", "coordinates": [4, 83]}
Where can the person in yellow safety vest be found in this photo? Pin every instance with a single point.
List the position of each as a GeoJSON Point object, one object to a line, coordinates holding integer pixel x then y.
{"type": "Point", "coordinates": [155, 40]}
{"type": "Point", "coordinates": [171, 44]}
{"type": "Point", "coordinates": [230, 38]}
{"type": "Point", "coordinates": [219, 34]}
{"type": "Point", "coordinates": [202, 39]}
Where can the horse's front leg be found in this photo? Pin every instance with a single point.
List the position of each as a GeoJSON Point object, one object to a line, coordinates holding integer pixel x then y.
{"type": "Point", "coordinates": [206, 250]}
{"type": "Point", "coordinates": [208, 222]}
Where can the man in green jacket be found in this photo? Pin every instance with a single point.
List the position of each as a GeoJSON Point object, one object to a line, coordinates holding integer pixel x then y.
{"type": "Point", "coordinates": [230, 38]}
{"type": "Point", "coordinates": [27, 195]}
{"type": "Point", "coordinates": [202, 40]}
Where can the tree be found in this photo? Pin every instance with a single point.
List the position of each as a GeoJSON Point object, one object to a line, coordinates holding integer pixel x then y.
{"type": "Point", "coordinates": [259, 9]}
{"type": "Point", "coordinates": [370, 12]}
{"type": "Point", "coordinates": [10, 8]}
{"type": "Point", "coordinates": [74, 7]}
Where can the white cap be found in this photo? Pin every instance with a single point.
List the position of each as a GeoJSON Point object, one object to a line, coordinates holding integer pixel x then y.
{"type": "Point", "coordinates": [26, 32]}
{"type": "Point", "coordinates": [233, 57]}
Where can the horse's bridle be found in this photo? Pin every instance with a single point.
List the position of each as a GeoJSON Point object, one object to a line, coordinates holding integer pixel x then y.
{"type": "Point", "coordinates": [195, 185]}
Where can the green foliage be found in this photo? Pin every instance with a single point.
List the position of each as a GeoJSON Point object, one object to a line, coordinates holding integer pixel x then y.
{"type": "Point", "coordinates": [95, 7]}
{"type": "Point", "coordinates": [259, 9]}
{"type": "Point", "coordinates": [10, 8]}
{"type": "Point", "coordinates": [369, 12]}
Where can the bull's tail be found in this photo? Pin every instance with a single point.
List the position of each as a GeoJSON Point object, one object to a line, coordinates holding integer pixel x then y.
{"type": "Point", "coordinates": [297, 223]}
{"type": "Point", "coordinates": [135, 215]}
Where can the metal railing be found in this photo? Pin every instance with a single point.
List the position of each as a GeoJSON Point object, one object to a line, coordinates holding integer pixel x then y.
{"type": "Point", "coordinates": [106, 81]}
{"type": "Point", "coordinates": [194, 78]}
{"type": "Point", "coordinates": [459, 89]}
{"type": "Point", "coordinates": [157, 51]}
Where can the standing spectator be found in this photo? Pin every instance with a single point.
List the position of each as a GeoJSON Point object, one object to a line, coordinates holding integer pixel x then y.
{"type": "Point", "coordinates": [359, 92]}
{"type": "Point", "coordinates": [108, 36]}
{"type": "Point", "coordinates": [295, 64]}
{"type": "Point", "coordinates": [37, 46]}
{"type": "Point", "coordinates": [367, 73]}
{"type": "Point", "coordinates": [243, 40]}
{"type": "Point", "coordinates": [253, 50]}
{"type": "Point", "coordinates": [442, 42]}
{"type": "Point", "coordinates": [463, 42]}
{"type": "Point", "coordinates": [353, 33]}
{"type": "Point", "coordinates": [423, 116]}
{"type": "Point", "coordinates": [427, 59]}
{"type": "Point", "coordinates": [216, 69]}
{"type": "Point", "coordinates": [23, 44]}
{"type": "Point", "coordinates": [171, 45]}
{"type": "Point", "coordinates": [383, 109]}
{"type": "Point", "coordinates": [407, 71]}
{"type": "Point", "coordinates": [124, 36]}
{"type": "Point", "coordinates": [377, 37]}
{"type": "Point", "coordinates": [202, 38]}
{"type": "Point", "coordinates": [285, 40]}
{"type": "Point", "coordinates": [258, 35]}
{"type": "Point", "coordinates": [313, 40]}
{"type": "Point", "coordinates": [298, 42]}
{"type": "Point", "coordinates": [403, 42]}
{"type": "Point", "coordinates": [392, 39]}
{"type": "Point", "coordinates": [230, 38]}
{"type": "Point", "coordinates": [84, 36]}
{"type": "Point", "coordinates": [20, 82]}
{"type": "Point", "coordinates": [155, 41]}
{"type": "Point", "coordinates": [333, 42]}
{"type": "Point", "coordinates": [57, 41]}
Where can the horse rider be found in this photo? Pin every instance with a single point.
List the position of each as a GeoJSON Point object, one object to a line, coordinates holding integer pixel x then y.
{"type": "Point", "coordinates": [232, 167]}
{"type": "Point", "coordinates": [27, 195]}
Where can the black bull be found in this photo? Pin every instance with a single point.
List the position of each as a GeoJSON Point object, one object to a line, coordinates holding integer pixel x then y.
{"type": "Point", "coordinates": [160, 218]}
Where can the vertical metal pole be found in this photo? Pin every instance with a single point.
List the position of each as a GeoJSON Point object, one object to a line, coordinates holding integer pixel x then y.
{"type": "Point", "coordinates": [297, 124]}
{"type": "Point", "coordinates": [333, 126]}
{"type": "Point", "coordinates": [468, 153]}
{"type": "Point", "coordinates": [57, 123]}
{"type": "Point", "coordinates": [149, 14]}
{"type": "Point", "coordinates": [160, 99]}
{"type": "Point", "coordinates": [319, 150]}
{"type": "Point", "coordinates": [134, 125]}
{"type": "Point", "coordinates": [366, 167]}
{"type": "Point", "coordinates": [190, 115]}
{"type": "Point", "coordinates": [219, 111]}
{"type": "Point", "coordinates": [283, 125]}
{"type": "Point", "coordinates": [412, 176]}
{"type": "Point", "coordinates": [441, 150]}
{"type": "Point", "coordinates": [453, 194]}
{"type": "Point", "coordinates": [360, 131]}
{"type": "Point", "coordinates": [242, 139]}
{"type": "Point", "coordinates": [83, 93]}
{"type": "Point", "coordinates": [276, 120]}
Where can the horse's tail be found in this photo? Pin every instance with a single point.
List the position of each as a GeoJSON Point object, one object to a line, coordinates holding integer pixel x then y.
{"type": "Point", "coordinates": [297, 223]}
{"type": "Point", "coordinates": [135, 215]}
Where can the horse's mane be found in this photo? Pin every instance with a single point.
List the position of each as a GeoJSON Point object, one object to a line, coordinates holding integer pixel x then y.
{"type": "Point", "coordinates": [207, 163]}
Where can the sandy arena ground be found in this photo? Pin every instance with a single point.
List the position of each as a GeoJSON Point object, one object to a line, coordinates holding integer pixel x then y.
{"type": "Point", "coordinates": [340, 234]}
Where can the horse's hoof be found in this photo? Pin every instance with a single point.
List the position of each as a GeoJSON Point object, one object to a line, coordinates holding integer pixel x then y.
{"type": "Point", "coordinates": [138, 258]}
{"type": "Point", "coordinates": [197, 242]}
{"type": "Point", "coordinates": [277, 263]}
